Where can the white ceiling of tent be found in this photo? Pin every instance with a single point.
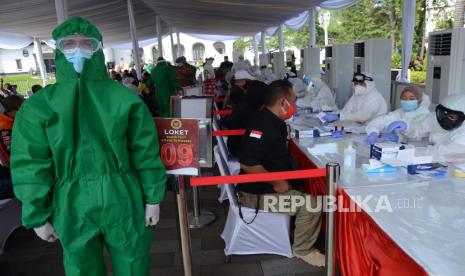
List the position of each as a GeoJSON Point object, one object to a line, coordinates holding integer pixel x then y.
{"type": "Point", "coordinates": [38, 18]}
{"type": "Point", "coordinates": [230, 17]}
{"type": "Point", "coordinates": [238, 17]}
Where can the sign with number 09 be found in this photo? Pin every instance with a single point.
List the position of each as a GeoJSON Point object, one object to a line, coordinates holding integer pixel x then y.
{"type": "Point", "coordinates": [179, 145]}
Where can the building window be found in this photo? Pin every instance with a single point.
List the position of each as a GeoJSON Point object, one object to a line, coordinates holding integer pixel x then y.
{"type": "Point", "coordinates": [198, 51]}
{"type": "Point", "coordinates": [183, 50]}
{"type": "Point", "coordinates": [19, 64]}
{"type": "Point", "coordinates": [219, 47]}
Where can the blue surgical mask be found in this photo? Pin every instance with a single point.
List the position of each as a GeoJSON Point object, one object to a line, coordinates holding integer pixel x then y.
{"type": "Point", "coordinates": [408, 106]}
{"type": "Point", "coordinates": [77, 58]}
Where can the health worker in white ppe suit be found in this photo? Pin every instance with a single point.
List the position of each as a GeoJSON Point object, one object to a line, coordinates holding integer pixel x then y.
{"type": "Point", "coordinates": [414, 107]}
{"type": "Point", "coordinates": [318, 96]}
{"type": "Point", "coordinates": [365, 104]}
{"type": "Point", "coordinates": [445, 129]}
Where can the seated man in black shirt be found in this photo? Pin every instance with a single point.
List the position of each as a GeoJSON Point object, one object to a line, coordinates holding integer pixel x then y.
{"type": "Point", "coordinates": [264, 149]}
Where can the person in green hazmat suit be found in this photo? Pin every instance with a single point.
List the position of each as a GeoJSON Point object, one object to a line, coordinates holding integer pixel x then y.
{"type": "Point", "coordinates": [164, 77]}
{"type": "Point", "coordinates": [85, 161]}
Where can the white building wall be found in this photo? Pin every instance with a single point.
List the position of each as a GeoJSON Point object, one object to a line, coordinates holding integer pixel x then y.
{"type": "Point", "coordinates": [8, 61]}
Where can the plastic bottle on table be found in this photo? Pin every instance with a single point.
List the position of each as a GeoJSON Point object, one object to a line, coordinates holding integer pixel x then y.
{"type": "Point", "coordinates": [350, 157]}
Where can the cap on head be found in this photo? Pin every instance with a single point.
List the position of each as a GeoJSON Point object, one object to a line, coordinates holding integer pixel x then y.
{"type": "Point", "coordinates": [455, 102]}
{"type": "Point", "coordinates": [74, 26]}
{"type": "Point", "coordinates": [415, 90]}
{"type": "Point", "coordinates": [160, 59]}
{"type": "Point", "coordinates": [243, 75]}
{"type": "Point", "coordinates": [226, 57]}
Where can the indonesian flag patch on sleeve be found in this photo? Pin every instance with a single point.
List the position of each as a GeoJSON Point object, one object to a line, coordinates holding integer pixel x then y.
{"type": "Point", "coordinates": [256, 134]}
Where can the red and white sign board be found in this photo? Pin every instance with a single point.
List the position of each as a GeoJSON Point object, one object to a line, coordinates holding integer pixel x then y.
{"type": "Point", "coordinates": [179, 145]}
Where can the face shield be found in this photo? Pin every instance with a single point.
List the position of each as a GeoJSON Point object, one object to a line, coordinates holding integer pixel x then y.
{"type": "Point", "coordinates": [449, 119]}
{"type": "Point", "coordinates": [70, 44]}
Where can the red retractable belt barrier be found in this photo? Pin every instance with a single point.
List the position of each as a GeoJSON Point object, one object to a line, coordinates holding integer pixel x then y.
{"type": "Point", "coordinates": [256, 177]}
{"type": "Point", "coordinates": [224, 112]}
{"type": "Point", "coordinates": [231, 132]}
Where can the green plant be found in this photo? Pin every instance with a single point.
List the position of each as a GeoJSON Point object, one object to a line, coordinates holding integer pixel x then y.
{"type": "Point", "coordinates": [396, 60]}
{"type": "Point", "coordinates": [418, 77]}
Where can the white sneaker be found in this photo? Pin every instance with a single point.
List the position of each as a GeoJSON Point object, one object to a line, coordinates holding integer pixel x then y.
{"type": "Point", "coordinates": [314, 258]}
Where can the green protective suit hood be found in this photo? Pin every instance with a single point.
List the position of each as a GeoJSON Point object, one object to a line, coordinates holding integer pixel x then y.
{"type": "Point", "coordinates": [85, 158]}
{"type": "Point", "coordinates": [94, 68]}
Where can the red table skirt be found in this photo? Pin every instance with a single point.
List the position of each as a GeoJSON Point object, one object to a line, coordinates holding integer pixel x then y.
{"type": "Point", "coordinates": [362, 248]}
{"type": "Point", "coordinates": [314, 186]}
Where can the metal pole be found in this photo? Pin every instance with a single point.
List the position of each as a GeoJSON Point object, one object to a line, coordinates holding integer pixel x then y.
{"type": "Point", "coordinates": [199, 218]}
{"type": "Point", "coordinates": [159, 36]}
{"type": "Point", "coordinates": [178, 54]}
{"type": "Point", "coordinates": [311, 19]}
{"type": "Point", "coordinates": [183, 226]}
{"type": "Point", "coordinates": [135, 42]}
{"type": "Point", "coordinates": [40, 60]}
{"type": "Point", "coordinates": [281, 38]}
{"type": "Point", "coordinates": [173, 54]}
{"type": "Point", "coordinates": [332, 179]}
{"type": "Point", "coordinates": [61, 7]}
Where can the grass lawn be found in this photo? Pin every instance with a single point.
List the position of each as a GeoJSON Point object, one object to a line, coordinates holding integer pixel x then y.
{"type": "Point", "coordinates": [24, 82]}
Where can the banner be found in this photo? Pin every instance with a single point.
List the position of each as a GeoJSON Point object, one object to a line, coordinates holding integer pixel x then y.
{"type": "Point", "coordinates": [179, 145]}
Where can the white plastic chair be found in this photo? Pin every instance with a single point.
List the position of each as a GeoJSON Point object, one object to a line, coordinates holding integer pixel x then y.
{"type": "Point", "coordinates": [269, 233]}
{"type": "Point", "coordinates": [10, 219]}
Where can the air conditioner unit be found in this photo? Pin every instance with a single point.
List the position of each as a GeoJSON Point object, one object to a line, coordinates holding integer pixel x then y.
{"type": "Point", "coordinates": [310, 64]}
{"type": "Point", "coordinates": [339, 72]}
{"type": "Point", "coordinates": [278, 63]}
{"type": "Point", "coordinates": [446, 64]}
{"type": "Point", "coordinates": [374, 56]}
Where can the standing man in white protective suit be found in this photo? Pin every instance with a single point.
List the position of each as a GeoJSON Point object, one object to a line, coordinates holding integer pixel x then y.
{"type": "Point", "coordinates": [445, 129]}
{"type": "Point", "coordinates": [318, 96]}
{"type": "Point", "coordinates": [365, 104]}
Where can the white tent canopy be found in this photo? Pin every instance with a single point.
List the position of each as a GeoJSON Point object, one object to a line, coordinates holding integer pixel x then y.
{"type": "Point", "coordinates": [21, 21]}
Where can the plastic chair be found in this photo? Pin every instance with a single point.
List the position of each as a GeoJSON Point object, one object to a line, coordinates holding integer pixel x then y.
{"type": "Point", "coordinates": [269, 233]}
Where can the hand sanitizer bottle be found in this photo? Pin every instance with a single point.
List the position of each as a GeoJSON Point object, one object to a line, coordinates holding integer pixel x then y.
{"type": "Point", "coordinates": [350, 157]}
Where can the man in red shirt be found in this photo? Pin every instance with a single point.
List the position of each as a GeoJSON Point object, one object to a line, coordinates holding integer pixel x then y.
{"type": "Point", "coordinates": [11, 105]}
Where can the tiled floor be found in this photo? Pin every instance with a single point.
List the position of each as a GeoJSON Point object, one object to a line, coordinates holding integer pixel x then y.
{"type": "Point", "coordinates": [27, 255]}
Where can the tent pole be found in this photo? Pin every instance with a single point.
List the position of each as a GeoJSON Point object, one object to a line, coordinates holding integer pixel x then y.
{"type": "Point", "coordinates": [61, 7]}
{"type": "Point", "coordinates": [173, 54]}
{"type": "Point", "coordinates": [311, 19]}
{"type": "Point", "coordinates": [159, 36]}
{"type": "Point", "coordinates": [135, 42]}
{"type": "Point", "coordinates": [255, 49]}
{"type": "Point", "coordinates": [178, 54]}
{"type": "Point", "coordinates": [40, 60]}
{"type": "Point", "coordinates": [264, 49]}
{"type": "Point", "coordinates": [408, 29]}
{"type": "Point", "coordinates": [281, 38]}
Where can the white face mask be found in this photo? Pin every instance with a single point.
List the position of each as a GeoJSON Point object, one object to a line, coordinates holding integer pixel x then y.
{"type": "Point", "coordinates": [360, 90]}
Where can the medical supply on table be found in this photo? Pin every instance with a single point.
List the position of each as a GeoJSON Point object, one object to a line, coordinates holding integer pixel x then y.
{"type": "Point", "coordinates": [310, 133]}
{"type": "Point", "coordinates": [459, 173]}
{"type": "Point", "coordinates": [350, 157]}
{"type": "Point", "coordinates": [385, 150]}
{"type": "Point", "coordinates": [338, 133]}
{"type": "Point", "coordinates": [376, 166]}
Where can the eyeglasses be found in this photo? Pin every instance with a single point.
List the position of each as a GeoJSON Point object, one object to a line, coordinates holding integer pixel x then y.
{"type": "Point", "coordinates": [71, 43]}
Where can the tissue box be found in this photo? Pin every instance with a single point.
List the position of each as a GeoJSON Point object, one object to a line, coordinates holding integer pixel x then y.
{"type": "Point", "coordinates": [192, 91]}
{"type": "Point", "coordinates": [387, 150]}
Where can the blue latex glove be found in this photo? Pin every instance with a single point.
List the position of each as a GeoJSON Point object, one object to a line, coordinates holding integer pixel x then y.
{"type": "Point", "coordinates": [397, 126]}
{"type": "Point", "coordinates": [331, 117]}
{"type": "Point", "coordinates": [372, 138]}
{"type": "Point", "coordinates": [338, 134]}
{"type": "Point", "coordinates": [390, 137]}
